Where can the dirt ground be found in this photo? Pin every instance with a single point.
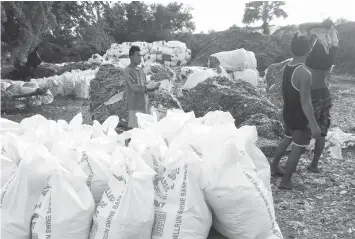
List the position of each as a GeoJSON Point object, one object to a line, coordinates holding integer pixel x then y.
{"type": "Point", "coordinates": [321, 206]}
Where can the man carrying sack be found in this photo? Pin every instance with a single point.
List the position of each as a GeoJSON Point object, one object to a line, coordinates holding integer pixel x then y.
{"type": "Point", "coordinates": [324, 41]}
{"type": "Point", "coordinates": [137, 87]}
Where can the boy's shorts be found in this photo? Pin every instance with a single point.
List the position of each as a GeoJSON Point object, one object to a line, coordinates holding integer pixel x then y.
{"type": "Point", "coordinates": [300, 138]}
{"type": "Point", "coordinates": [322, 103]}
{"type": "Point", "coordinates": [321, 110]}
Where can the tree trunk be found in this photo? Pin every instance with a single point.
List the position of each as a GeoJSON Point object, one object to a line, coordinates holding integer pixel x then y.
{"type": "Point", "coordinates": [266, 28]}
{"type": "Point", "coordinates": [265, 18]}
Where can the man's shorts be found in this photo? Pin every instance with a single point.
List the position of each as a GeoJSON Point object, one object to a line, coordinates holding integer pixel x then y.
{"type": "Point", "coordinates": [322, 103]}
{"type": "Point", "coordinates": [300, 138]}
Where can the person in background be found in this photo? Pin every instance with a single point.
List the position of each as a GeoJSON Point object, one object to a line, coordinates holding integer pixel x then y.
{"type": "Point", "coordinates": [33, 61]}
{"type": "Point", "coordinates": [298, 115]}
{"type": "Point", "coordinates": [136, 87]}
{"type": "Point", "coordinates": [320, 62]}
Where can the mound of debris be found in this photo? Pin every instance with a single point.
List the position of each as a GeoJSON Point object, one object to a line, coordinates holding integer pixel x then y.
{"type": "Point", "coordinates": [107, 95]}
{"type": "Point", "coordinates": [265, 49]}
{"type": "Point", "coordinates": [160, 72]}
{"type": "Point", "coordinates": [237, 97]}
{"type": "Point", "coordinates": [273, 75]}
{"type": "Point", "coordinates": [243, 101]}
{"type": "Point", "coordinates": [268, 128]}
{"type": "Point", "coordinates": [104, 92]}
{"type": "Point", "coordinates": [220, 93]}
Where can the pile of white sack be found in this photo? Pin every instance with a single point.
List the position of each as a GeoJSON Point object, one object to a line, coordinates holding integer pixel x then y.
{"type": "Point", "coordinates": [240, 65]}
{"type": "Point", "coordinates": [75, 83]}
{"type": "Point", "coordinates": [171, 53]}
{"type": "Point", "coordinates": [79, 181]}
{"type": "Point", "coordinates": [16, 88]}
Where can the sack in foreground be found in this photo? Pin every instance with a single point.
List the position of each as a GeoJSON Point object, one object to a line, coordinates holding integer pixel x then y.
{"type": "Point", "coordinates": [65, 207]}
{"type": "Point", "coordinates": [180, 207]}
{"type": "Point", "coordinates": [126, 209]}
{"type": "Point", "coordinates": [241, 204]}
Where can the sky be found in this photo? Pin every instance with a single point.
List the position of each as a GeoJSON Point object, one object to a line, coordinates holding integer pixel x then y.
{"type": "Point", "coordinates": [219, 15]}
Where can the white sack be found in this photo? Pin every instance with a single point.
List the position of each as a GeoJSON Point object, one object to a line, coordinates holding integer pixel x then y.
{"type": "Point", "coordinates": [180, 207]}
{"type": "Point", "coordinates": [167, 51]}
{"type": "Point", "coordinates": [237, 195]}
{"type": "Point", "coordinates": [8, 169]}
{"type": "Point", "coordinates": [236, 60]}
{"type": "Point", "coordinates": [151, 147]}
{"type": "Point", "coordinates": [126, 209]}
{"type": "Point", "coordinates": [247, 75]}
{"type": "Point", "coordinates": [217, 117]}
{"type": "Point", "coordinates": [150, 57]}
{"type": "Point", "coordinates": [47, 98]}
{"type": "Point", "coordinates": [21, 193]}
{"type": "Point", "coordinates": [188, 70]}
{"type": "Point", "coordinates": [69, 84]}
{"type": "Point", "coordinates": [251, 60]}
{"type": "Point", "coordinates": [96, 166]}
{"type": "Point", "coordinates": [9, 126]}
{"type": "Point", "coordinates": [125, 61]}
{"type": "Point", "coordinates": [197, 77]}
{"type": "Point", "coordinates": [82, 87]}
{"type": "Point", "coordinates": [156, 49]}
{"type": "Point", "coordinates": [176, 44]}
{"type": "Point", "coordinates": [65, 208]}
{"type": "Point", "coordinates": [177, 118]}
{"type": "Point", "coordinates": [159, 57]}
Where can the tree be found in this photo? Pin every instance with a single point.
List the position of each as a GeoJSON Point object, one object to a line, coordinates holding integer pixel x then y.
{"type": "Point", "coordinates": [22, 30]}
{"type": "Point", "coordinates": [341, 21]}
{"type": "Point", "coordinates": [73, 30]}
{"type": "Point", "coordinates": [264, 11]}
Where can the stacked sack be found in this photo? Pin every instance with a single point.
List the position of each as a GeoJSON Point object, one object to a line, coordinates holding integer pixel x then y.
{"type": "Point", "coordinates": [171, 53]}
{"type": "Point", "coordinates": [75, 83]}
{"type": "Point", "coordinates": [165, 184]}
{"type": "Point", "coordinates": [240, 65]}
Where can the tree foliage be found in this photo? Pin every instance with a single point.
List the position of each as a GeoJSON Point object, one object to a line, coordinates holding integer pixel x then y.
{"type": "Point", "coordinates": [264, 11]}
{"type": "Point", "coordinates": [74, 30]}
{"type": "Point", "coordinates": [21, 28]}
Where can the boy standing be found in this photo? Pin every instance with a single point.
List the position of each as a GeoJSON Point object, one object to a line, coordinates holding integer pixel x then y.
{"type": "Point", "coordinates": [298, 115]}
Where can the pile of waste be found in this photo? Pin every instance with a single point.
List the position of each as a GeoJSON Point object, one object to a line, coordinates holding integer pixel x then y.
{"type": "Point", "coordinates": [242, 100]}
{"type": "Point", "coordinates": [273, 76]}
{"type": "Point", "coordinates": [166, 183]}
{"type": "Point", "coordinates": [158, 72]}
{"type": "Point", "coordinates": [171, 53]}
{"type": "Point", "coordinates": [18, 95]}
{"type": "Point", "coordinates": [107, 91]}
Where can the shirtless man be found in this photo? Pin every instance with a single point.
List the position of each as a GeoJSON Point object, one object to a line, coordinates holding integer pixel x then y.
{"type": "Point", "coordinates": [319, 63]}
{"type": "Point", "coordinates": [298, 114]}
